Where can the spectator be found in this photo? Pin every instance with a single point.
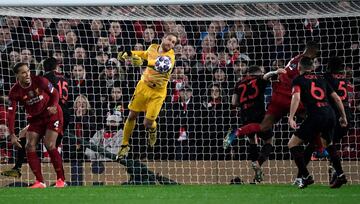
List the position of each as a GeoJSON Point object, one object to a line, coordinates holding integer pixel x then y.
{"type": "Point", "coordinates": [98, 63]}
{"type": "Point", "coordinates": [138, 47]}
{"type": "Point", "coordinates": [7, 44]}
{"type": "Point", "coordinates": [37, 29]}
{"type": "Point", "coordinates": [149, 37]}
{"type": "Point", "coordinates": [27, 57]}
{"type": "Point", "coordinates": [14, 58]}
{"type": "Point", "coordinates": [70, 43]}
{"type": "Point", "coordinates": [111, 74]}
{"type": "Point", "coordinates": [92, 35]}
{"type": "Point", "coordinates": [184, 120]}
{"type": "Point", "coordinates": [80, 54]}
{"type": "Point", "coordinates": [181, 32]}
{"type": "Point", "coordinates": [62, 27]}
{"type": "Point", "coordinates": [108, 138]}
{"type": "Point", "coordinates": [114, 102]}
{"type": "Point", "coordinates": [189, 55]}
{"type": "Point", "coordinates": [224, 59]}
{"type": "Point", "coordinates": [240, 68]}
{"type": "Point", "coordinates": [232, 48]}
{"type": "Point", "coordinates": [6, 41]}
{"type": "Point", "coordinates": [277, 47]}
{"type": "Point", "coordinates": [3, 111]}
{"type": "Point", "coordinates": [140, 26]}
{"type": "Point", "coordinates": [46, 48]}
{"type": "Point", "coordinates": [115, 32]}
{"type": "Point", "coordinates": [207, 46]}
{"type": "Point", "coordinates": [241, 30]}
{"type": "Point", "coordinates": [207, 67]}
{"type": "Point", "coordinates": [19, 31]}
{"type": "Point", "coordinates": [84, 126]}
{"type": "Point", "coordinates": [80, 27]}
{"type": "Point", "coordinates": [79, 83]}
{"type": "Point", "coordinates": [178, 51]}
{"type": "Point", "coordinates": [168, 26]}
{"type": "Point", "coordinates": [212, 30]}
{"type": "Point", "coordinates": [215, 113]}
{"type": "Point", "coordinates": [221, 78]}
{"type": "Point", "coordinates": [103, 44]}
{"type": "Point", "coordinates": [178, 81]}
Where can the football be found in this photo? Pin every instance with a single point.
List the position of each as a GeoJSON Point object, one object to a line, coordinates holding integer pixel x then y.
{"type": "Point", "coordinates": [163, 64]}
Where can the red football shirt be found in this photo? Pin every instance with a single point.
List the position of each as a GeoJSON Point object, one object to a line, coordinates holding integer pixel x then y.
{"type": "Point", "coordinates": [35, 98]}
{"type": "Point", "coordinates": [284, 85]}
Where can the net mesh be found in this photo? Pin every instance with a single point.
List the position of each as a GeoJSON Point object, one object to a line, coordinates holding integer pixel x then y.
{"type": "Point", "coordinates": [217, 43]}
{"type": "Point", "coordinates": [245, 11]}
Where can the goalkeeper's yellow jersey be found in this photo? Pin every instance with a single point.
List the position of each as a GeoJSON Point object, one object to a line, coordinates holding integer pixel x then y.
{"type": "Point", "coordinates": [150, 76]}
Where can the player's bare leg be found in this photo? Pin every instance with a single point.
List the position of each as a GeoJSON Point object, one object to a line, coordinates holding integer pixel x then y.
{"type": "Point", "coordinates": [128, 129]}
{"type": "Point", "coordinates": [151, 128]}
{"type": "Point", "coordinates": [32, 139]}
{"type": "Point", "coordinates": [56, 160]}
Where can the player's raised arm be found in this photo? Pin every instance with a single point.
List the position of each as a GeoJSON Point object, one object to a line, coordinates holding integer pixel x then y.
{"type": "Point", "coordinates": [268, 75]}
{"type": "Point", "coordinates": [138, 58]}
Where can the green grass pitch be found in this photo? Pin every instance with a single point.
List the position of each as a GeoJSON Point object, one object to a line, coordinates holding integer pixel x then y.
{"type": "Point", "coordinates": [221, 194]}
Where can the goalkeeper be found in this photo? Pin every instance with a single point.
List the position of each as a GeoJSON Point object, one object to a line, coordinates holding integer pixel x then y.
{"type": "Point", "coordinates": [150, 91]}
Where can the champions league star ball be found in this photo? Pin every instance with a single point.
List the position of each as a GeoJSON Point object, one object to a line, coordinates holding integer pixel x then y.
{"type": "Point", "coordinates": [163, 64]}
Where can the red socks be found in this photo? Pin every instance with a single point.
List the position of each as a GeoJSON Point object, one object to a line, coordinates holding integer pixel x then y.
{"type": "Point", "coordinates": [56, 160]}
{"type": "Point", "coordinates": [248, 129]}
{"type": "Point", "coordinates": [35, 165]}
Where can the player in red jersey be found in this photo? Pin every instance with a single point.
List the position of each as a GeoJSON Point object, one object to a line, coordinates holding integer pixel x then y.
{"type": "Point", "coordinates": [280, 100]}
{"type": "Point", "coordinates": [45, 118]}
{"type": "Point", "coordinates": [61, 84]}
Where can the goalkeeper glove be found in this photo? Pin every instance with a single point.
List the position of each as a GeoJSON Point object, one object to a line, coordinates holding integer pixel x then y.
{"type": "Point", "coordinates": [136, 61]}
{"type": "Point", "coordinates": [122, 56]}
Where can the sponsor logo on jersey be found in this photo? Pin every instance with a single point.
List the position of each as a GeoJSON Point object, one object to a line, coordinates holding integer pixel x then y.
{"type": "Point", "coordinates": [34, 100]}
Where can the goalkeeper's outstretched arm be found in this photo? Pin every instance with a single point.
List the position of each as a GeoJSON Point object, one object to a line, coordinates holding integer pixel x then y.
{"type": "Point", "coordinates": [137, 57]}
{"type": "Point", "coordinates": [144, 56]}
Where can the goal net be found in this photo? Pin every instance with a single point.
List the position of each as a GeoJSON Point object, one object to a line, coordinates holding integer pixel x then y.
{"type": "Point", "coordinates": [217, 43]}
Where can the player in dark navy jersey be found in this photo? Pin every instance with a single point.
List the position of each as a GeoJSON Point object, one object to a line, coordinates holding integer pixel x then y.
{"type": "Point", "coordinates": [313, 91]}
{"type": "Point", "coordinates": [281, 95]}
{"type": "Point", "coordinates": [336, 78]}
{"type": "Point", "coordinates": [249, 97]}
{"type": "Point", "coordinates": [59, 81]}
